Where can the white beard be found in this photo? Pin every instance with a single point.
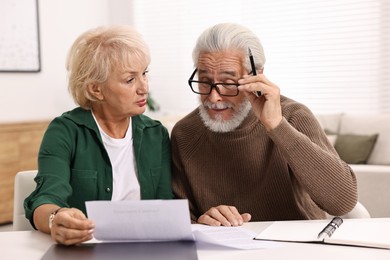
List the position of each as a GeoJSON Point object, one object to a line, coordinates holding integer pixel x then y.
{"type": "Point", "coordinates": [220, 125]}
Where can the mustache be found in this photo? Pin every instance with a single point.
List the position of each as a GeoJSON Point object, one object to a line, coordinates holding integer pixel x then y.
{"type": "Point", "coordinates": [219, 105]}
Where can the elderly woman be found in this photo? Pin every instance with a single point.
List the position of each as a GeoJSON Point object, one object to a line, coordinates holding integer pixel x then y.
{"type": "Point", "coordinates": [105, 149]}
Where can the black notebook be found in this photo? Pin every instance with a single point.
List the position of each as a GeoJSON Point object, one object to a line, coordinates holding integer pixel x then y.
{"type": "Point", "coordinates": [372, 232]}
{"type": "Point", "coordinates": [172, 250]}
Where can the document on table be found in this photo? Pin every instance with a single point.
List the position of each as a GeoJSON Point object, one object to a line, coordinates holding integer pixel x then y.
{"type": "Point", "coordinates": [234, 237]}
{"type": "Point", "coordinates": [161, 220]}
{"type": "Point", "coordinates": [143, 220]}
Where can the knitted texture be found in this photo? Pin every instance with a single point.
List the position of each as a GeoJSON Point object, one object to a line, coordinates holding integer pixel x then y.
{"type": "Point", "coordinates": [289, 173]}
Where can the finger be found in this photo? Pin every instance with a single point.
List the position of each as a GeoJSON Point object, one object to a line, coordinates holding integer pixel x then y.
{"type": "Point", "coordinates": [253, 87]}
{"type": "Point", "coordinates": [73, 223]}
{"type": "Point", "coordinates": [232, 215]}
{"type": "Point", "coordinates": [207, 220]}
{"type": "Point", "coordinates": [76, 213]}
{"type": "Point", "coordinates": [216, 214]}
{"type": "Point", "coordinates": [68, 236]}
{"type": "Point", "coordinates": [258, 78]}
{"type": "Point", "coordinates": [246, 217]}
{"type": "Point", "coordinates": [74, 241]}
{"type": "Point", "coordinates": [252, 97]}
{"type": "Point", "coordinates": [73, 220]}
{"type": "Point", "coordinates": [227, 215]}
{"type": "Point", "coordinates": [249, 79]}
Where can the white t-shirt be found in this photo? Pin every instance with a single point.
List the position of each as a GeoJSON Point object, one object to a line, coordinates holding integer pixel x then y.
{"type": "Point", "coordinates": [124, 169]}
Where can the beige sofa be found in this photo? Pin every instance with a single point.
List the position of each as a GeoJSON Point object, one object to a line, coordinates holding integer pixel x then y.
{"type": "Point", "coordinates": [373, 177]}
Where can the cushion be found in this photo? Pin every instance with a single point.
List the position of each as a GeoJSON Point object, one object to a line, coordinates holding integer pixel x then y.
{"type": "Point", "coordinates": [355, 149]}
{"type": "Point", "coordinates": [367, 125]}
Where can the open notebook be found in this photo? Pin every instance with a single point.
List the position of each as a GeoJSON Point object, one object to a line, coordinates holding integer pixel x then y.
{"type": "Point", "coordinates": [373, 232]}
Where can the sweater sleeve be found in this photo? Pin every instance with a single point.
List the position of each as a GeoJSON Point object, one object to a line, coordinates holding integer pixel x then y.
{"type": "Point", "coordinates": [315, 165]}
{"type": "Point", "coordinates": [180, 183]}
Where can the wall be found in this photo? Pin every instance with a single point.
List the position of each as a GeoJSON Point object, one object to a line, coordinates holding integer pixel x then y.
{"type": "Point", "coordinates": [44, 95]}
{"type": "Point", "coordinates": [38, 97]}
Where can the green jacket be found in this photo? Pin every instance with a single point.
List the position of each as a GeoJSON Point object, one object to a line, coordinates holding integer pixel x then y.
{"type": "Point", "coordinates": [74, 167]}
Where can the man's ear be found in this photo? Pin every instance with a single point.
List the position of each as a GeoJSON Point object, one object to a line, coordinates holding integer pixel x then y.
{"type": "Point", "coordinates": [95, 91]}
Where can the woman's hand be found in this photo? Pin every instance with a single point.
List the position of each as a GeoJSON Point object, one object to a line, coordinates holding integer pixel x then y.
{"type": "Point", "coordinates": [70, 226]}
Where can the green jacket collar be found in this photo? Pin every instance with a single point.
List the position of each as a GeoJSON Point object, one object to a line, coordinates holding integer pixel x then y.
{"type": "Point", "coordinates": [84, 117]}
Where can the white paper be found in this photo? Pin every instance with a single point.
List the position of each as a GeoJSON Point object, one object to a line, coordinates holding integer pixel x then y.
{"type": "Point", "coordinates": [234, 237]}
{"type": "Point", "coordinates": [161, 220]}
{"type": "Point", "coordinates": [297, 231]}
{"type": "Point", "coordinates": [143, 220]}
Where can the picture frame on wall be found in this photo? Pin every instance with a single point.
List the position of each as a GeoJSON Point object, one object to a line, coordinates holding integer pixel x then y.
{"type": "Point", "coordinates": [19, 36]}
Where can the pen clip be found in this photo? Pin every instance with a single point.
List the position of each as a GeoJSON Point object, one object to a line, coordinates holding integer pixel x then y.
{"type": "Point", "coordinates": [250, 51]}
{"type": "Point", "coordinates": [252, 62]}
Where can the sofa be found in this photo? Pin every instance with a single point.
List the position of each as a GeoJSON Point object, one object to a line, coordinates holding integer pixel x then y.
{"type": "Point", "coordinates": [372, 136]}
{"type": "Point", "coordinates": [368, 135]}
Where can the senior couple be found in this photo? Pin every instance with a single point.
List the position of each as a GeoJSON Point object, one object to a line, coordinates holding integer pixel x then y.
{"type": "Point", "coordinates": [245, 153]}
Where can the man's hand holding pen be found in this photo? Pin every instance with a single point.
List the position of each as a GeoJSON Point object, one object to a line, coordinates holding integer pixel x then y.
{"type": "Point", "coordinates": [263, 95]}
{"type": "Point", "coordinates": [266, 107]}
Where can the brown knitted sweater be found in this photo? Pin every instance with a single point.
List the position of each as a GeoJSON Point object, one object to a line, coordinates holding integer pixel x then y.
{"type": "Point", "coordinates": [291, 172]}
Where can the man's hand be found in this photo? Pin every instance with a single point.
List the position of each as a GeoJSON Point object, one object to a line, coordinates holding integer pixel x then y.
{"type": "Point", "coordinates": [267, 107]}
{"type": "Point", "coordinates": [223, 215]}
{"type": "Point", "coordinates": [70, 226]}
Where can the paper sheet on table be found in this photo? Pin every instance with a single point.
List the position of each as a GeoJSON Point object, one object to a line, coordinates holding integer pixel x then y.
{"type": "Point", "coordinates": [144, 220]}
{"type": "Point", "coordinates": [234, 237]}
{"type": "Point", "coordinates": [161, 220]}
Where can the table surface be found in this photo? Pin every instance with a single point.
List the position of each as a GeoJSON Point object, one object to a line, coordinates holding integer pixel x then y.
{"type": "Point", "coordinates": [33, 245]}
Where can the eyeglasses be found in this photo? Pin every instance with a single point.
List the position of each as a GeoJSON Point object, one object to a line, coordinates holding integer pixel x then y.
{"type": "Point", "coordinates": [205, 88]}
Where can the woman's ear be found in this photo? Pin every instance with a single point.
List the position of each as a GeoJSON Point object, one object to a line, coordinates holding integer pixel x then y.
{"type": "Point", "coordinates": [95, 91]}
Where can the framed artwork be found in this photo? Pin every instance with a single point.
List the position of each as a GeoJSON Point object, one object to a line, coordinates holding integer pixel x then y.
{"type": "Point", "coordinates": [19, 36]}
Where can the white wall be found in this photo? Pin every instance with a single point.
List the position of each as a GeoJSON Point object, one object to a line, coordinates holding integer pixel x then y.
{"type": "Point", "coordinates": [44, 95]}
{"type": "Point", "coordinates": [333, 56]}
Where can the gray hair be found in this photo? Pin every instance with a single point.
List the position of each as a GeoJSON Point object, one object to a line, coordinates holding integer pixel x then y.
{"type": "Point", "coordinates": [97, 53]}
{"type": "Point", "coordinates": [230, 36]}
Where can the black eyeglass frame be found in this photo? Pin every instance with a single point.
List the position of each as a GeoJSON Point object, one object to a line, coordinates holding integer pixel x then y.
{"type": "Point", "coordinates": [212, 85]}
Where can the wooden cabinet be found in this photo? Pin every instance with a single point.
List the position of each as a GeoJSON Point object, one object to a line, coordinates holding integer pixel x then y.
{"type": "Point", "coordinates": [19, 145]}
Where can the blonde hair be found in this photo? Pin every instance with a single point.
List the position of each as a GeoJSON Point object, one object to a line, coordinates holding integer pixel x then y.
{"type": "Point", "coordinates": [96, 53]}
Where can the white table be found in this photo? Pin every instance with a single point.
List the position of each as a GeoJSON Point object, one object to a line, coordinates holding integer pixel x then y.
{"type": "Point", "coordinates": [33, 245]}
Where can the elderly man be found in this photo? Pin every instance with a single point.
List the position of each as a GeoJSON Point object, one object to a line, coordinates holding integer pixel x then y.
{"type": "Point", "coordinates": [247, 152]}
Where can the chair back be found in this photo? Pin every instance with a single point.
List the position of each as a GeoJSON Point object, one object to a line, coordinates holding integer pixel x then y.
{"type": "Point", "coordinates": [24, 185]}
{"type": "Point", "coordinates": [374, 189]}
{"type": "Point", "coordinates": [359, 211]}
